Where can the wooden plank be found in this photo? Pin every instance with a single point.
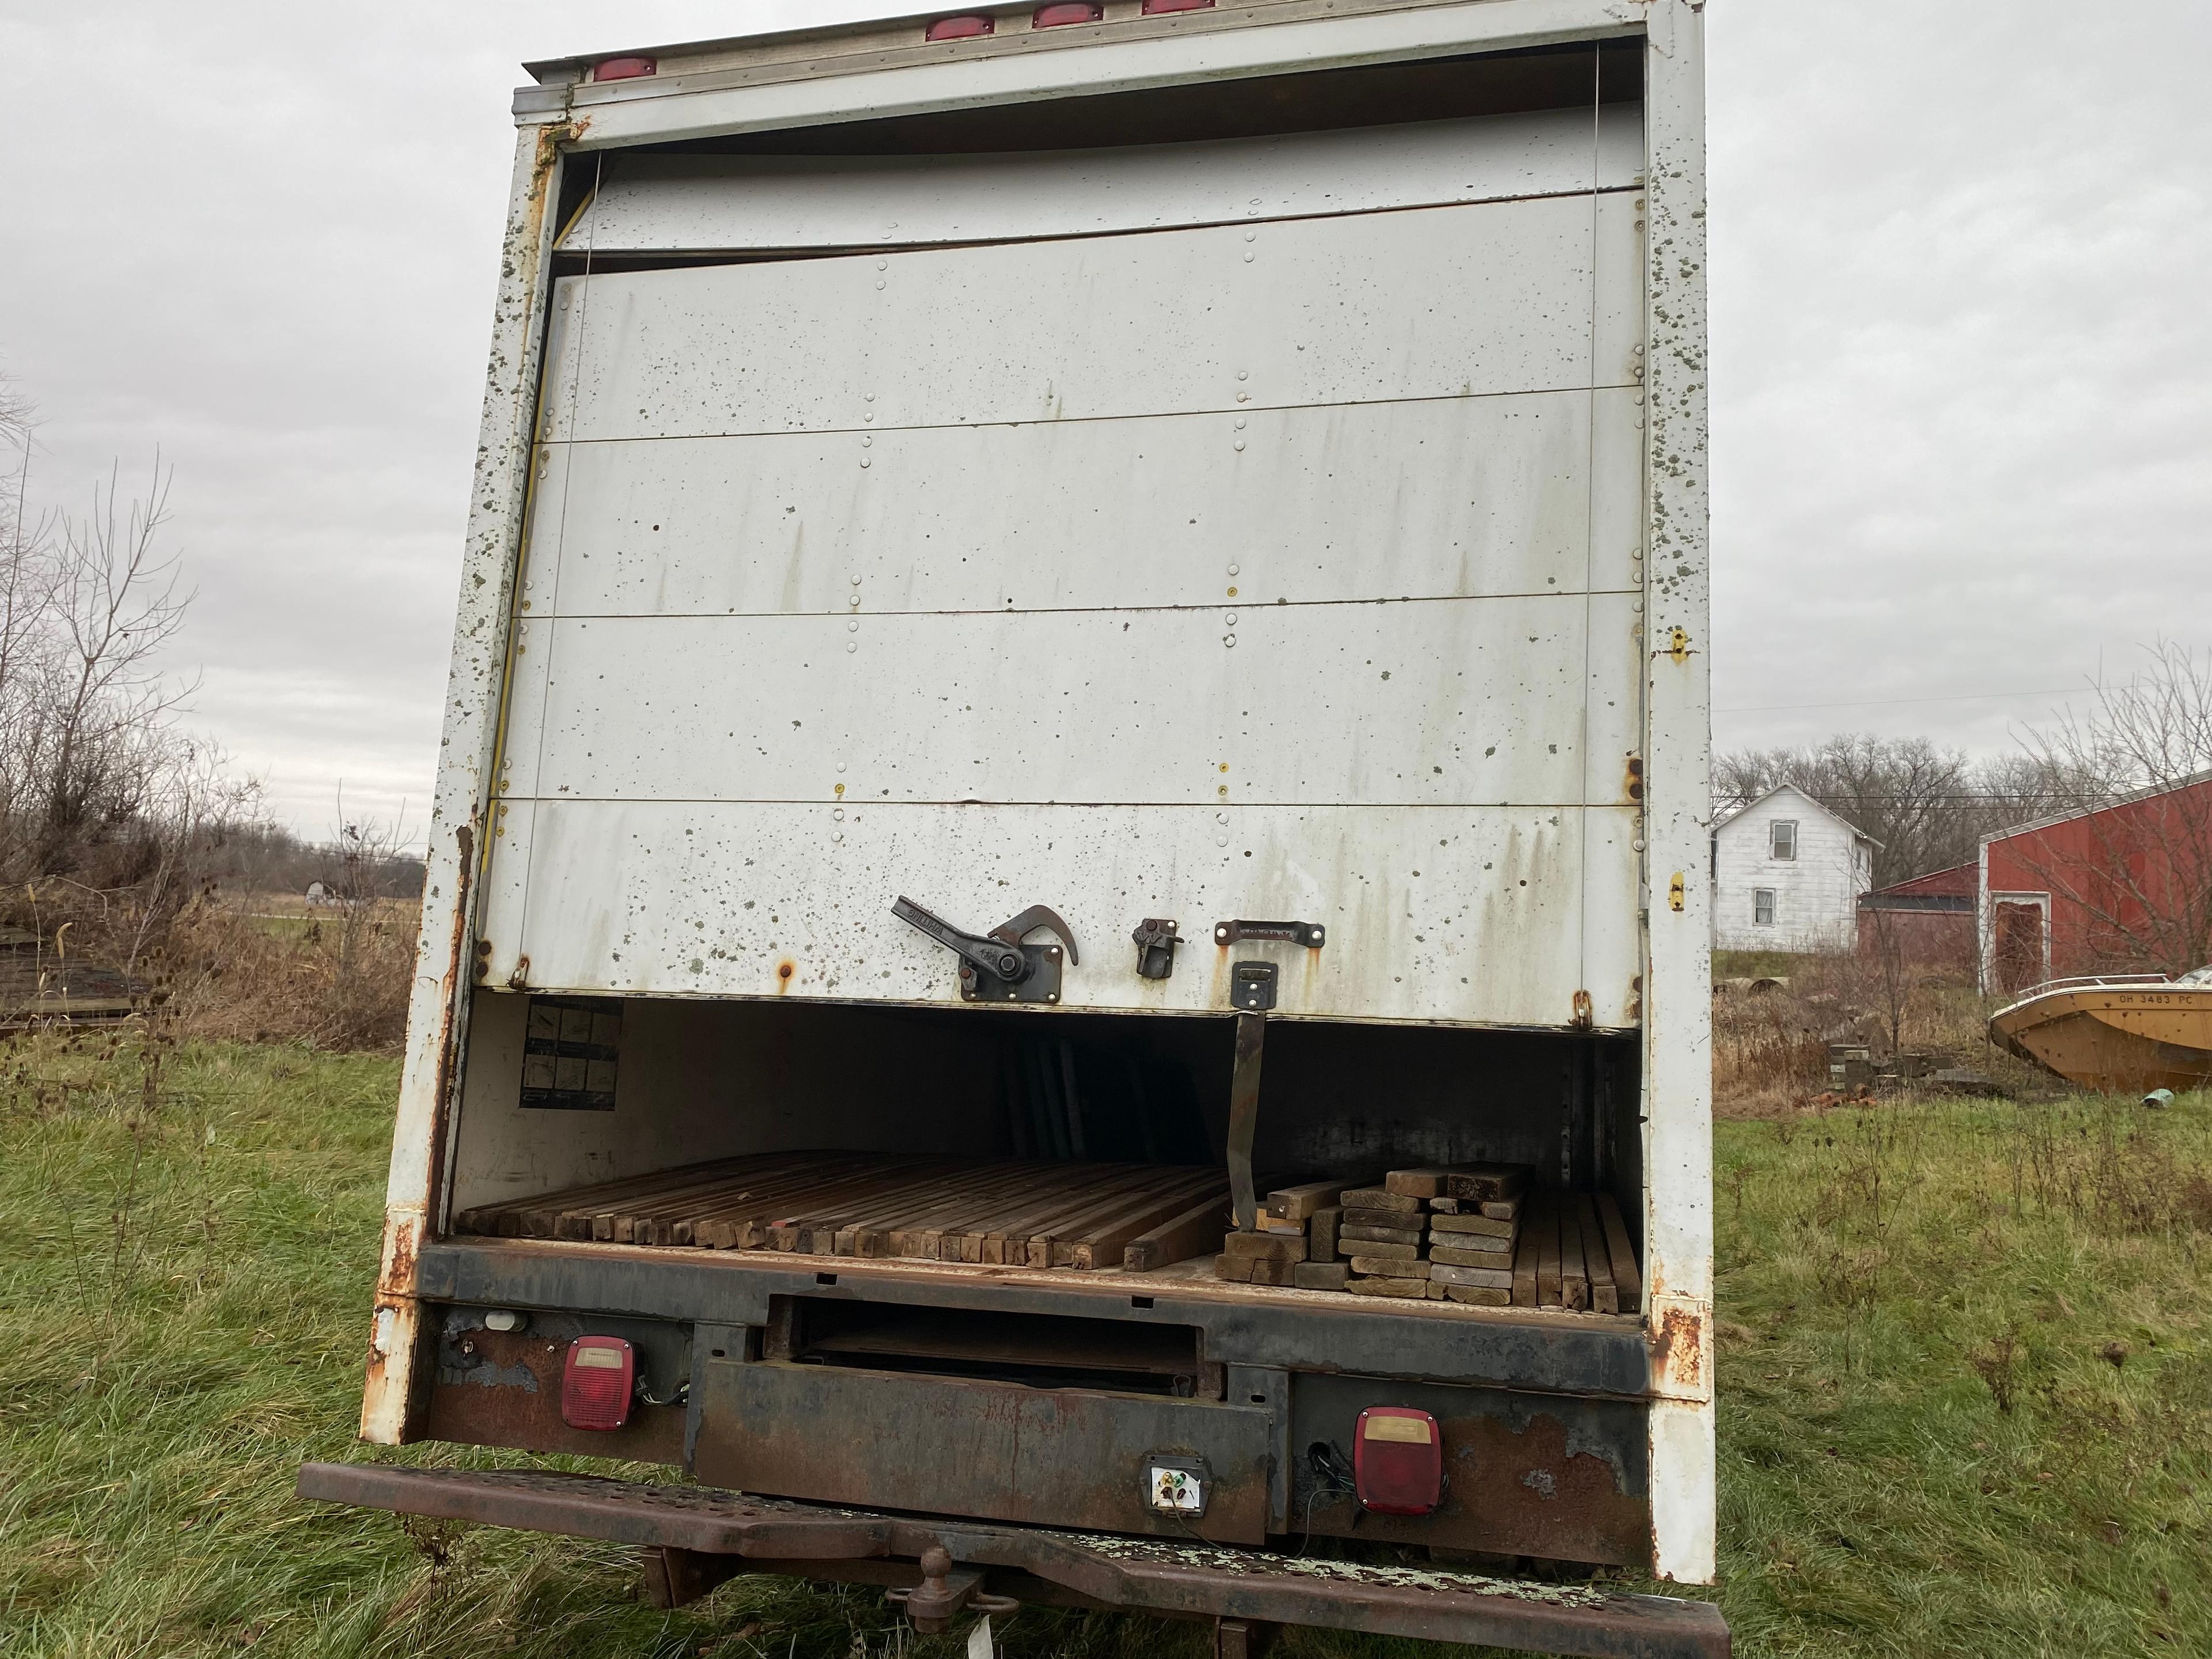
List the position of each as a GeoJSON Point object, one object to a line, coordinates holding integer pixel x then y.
{"type": "Point", "coordinates": [735, 1222]}
{"type": "Point", "coordinates": [1486, 1182]}
{"type": "Point", "coordinates": [1323, 1229]}
{"type": "Point", "coordinates": [1264, 1247]}
{"type": "Point", "coordinates": [1048, 1235]}
{"type": "Point", "coordinates": [1237, 1269]}
{"type": "Point", "coordinates": [1605, 1296]}
{"type": "Point", "coordinates": [1390, 1266]}
{"type": "Point", "coordinates": [1321, 1275]}
{"type": "Point", "coordinates": [1545, 1221]}
{"type": "Point", "coordinates": [1496, 1279]}
{"type": "Point", "coordinates": [1078, 1206]}
{"type": "Point", "coordinates": [1380, 1234]}
{"type": "Point", "coordinates": [833, 1203]}
{"type": "Point", "coordinates": [1298, 1203]}
{"type": "Point", "coordinates": [1574, 1282]}
{"type": "Point", "coordinates": [1627, 1281]}
{"type": "Point", "coordinates": [1500, 1257]}
{"type": "Point", "coordinates": [1110, 1247]}
{"type": "Point", "coordinates": [1011, 1237]}
{"type": "Point", "coordinates": [1441, 1224]}
{"type": "Point", "coordinates": [961, 1237]}
{"type": "Point", "coordinates": [917, 1227]}
{"type": "Point", "coordinates": [1427, 1183]}
{"type": "Point", "coordinates": [1524, 1264]}
{"type": "Point", "coordinates": [1179, 1237]}
{"type": "Point", "coordinates": [732, 1218]}
{"type": "Point", "coordinates": [881, 1228]}
{"type": "Point", "coordinates": [1100, 1237]}
{"type": "Point", "coordinates": [1380, 1198]}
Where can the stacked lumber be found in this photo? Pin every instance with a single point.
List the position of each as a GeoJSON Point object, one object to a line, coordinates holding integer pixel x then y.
{"type": "Point", "coordinates": [1003, 1212]}
{"type": "Point", "coordinates": [1474, 1233]}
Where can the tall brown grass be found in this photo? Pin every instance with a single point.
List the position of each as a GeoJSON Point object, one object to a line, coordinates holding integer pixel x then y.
{"type": "Point", "coordinates": [337, 979]}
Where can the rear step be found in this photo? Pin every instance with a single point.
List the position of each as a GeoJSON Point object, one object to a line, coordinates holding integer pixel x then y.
{"type": "Point", "coordinates": [700, 1536]}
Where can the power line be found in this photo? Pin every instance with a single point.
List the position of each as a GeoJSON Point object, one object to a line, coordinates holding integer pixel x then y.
{"type": "Point", "coordinates": [1887, 703]}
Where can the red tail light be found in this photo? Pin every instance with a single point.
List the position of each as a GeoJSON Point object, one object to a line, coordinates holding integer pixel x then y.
{"type": "Point", "coordinates": [1398, 1461]}
{"type": "Point", "coordinates": [1070, 11]}
{"type": "Point", "coordinates": [957, 28]}
{"type": "Point", "coordinates": [624, 68]}
{"type": "Point", "coordinates": [595, 1382]}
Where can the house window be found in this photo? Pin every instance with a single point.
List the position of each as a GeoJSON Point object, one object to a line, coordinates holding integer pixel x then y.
{"type": "Point", "coordinates": [1782, 838]}
{"type": "Point", "coordinates": [1762, 906]}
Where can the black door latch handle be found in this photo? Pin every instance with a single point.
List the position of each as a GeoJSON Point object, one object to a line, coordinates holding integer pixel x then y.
{"type": "Point", "coordinates": [999, 966]}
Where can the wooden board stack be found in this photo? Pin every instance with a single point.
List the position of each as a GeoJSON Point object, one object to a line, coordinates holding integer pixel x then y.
{"type": "Point", "coordinates": [1029, 1214]}
{"type": "Point", "coordinates": [1472, 1233]}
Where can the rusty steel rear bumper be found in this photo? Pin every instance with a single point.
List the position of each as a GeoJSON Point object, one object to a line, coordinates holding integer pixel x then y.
{"type": "Point", "coordinates": [700, 1536]}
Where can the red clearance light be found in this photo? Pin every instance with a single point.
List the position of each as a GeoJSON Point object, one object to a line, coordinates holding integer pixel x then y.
{"type": "Point", "coordinates": [957, 28]}
{"type": "Point", "coordinates": [1154, 8]}
{"type": "Point", "coordinates": [624, 68]}
{"type": "Point", "coordinates": [1398, 1461]}
{"type": "Point", "coordinates": [1071, 11]}
{"type": "Point", "coordinates": [595, 1382]}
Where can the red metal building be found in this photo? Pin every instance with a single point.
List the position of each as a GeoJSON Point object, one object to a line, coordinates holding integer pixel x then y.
{"type": "Point", "coordinates": [1928, 921]}
{"type": "Point", "coordinates": [2126, 888]}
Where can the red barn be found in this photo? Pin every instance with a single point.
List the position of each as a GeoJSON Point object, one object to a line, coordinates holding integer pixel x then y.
{"type": "Point", "coordinates": [1928, 921]}
{"type": "Point", "coordinates": [2126, 888]}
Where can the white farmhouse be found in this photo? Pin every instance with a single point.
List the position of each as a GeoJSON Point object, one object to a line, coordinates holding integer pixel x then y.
{"type": "Point", "coordinates": [1787, 875]}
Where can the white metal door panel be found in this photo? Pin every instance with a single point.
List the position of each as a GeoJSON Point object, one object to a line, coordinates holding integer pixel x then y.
{"type": "Point", "coordinates": [1439, 497]}
{"type": "Point", "coordinates": [1451, 913]}
{"type": "Point", "coordinates": [1431, 702]}
{"type": "Point", "coordinates": [1428, 302]}
{"type": "Point", "coordinates": [654, 203]}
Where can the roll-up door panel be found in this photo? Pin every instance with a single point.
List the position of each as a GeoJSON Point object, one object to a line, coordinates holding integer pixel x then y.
{"type": "Point", "coordinates": [658, 204]}
{"type": "Point", "coordinates": [1270, 569]}
{"type": "Point", "coordinates": [1429, 302]}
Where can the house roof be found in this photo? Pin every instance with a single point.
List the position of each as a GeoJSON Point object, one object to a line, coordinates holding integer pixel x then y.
{"type": "Point", "coordinates": [1959, 878]}
{"type": "Point", "coordinates": [1792, 789]}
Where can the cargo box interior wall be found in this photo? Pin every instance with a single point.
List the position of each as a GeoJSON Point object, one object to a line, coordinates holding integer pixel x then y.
{"type": "Point", "coordinates": [566, 1095]}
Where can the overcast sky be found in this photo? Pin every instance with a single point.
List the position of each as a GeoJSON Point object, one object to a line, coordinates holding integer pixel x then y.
{"type": "Point", "coordinates": [1962, 416]}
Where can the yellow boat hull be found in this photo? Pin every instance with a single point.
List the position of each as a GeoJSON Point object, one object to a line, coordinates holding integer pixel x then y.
{"type": "Point", "coordinates": [2118, 1039]}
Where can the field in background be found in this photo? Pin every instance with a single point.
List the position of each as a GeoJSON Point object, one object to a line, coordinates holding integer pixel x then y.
{"type": "Point", "coordinates": [1965, 1363]}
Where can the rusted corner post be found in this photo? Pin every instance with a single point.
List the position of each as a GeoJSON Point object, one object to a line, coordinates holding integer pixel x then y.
{"type": "Point", "coordinates": [437, 1000]}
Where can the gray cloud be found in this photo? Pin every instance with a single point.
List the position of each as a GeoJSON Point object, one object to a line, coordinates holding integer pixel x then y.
{"type": "Point", "coordinates": [1961, 410]}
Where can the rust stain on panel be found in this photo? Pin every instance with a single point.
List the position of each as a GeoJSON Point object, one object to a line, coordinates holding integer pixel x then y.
{"type": "Point", "coordinates": [1528, 1491]}
{"type": "Point", "coordinates": [1678, 1350]}
{"type": "Point", "coordinates": [503, 1389]}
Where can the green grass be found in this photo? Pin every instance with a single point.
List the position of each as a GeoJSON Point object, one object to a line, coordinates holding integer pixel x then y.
{"type": "Point", "coordinates": [184, 1287]}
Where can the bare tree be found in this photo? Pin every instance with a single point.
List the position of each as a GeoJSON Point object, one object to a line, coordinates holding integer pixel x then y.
{"type": "Point", "coordinates": [1926, 808]}
{"type": "Point", "coordinates": [2137, 869]}
{"type": "Point", "coordinates": [114, 605]}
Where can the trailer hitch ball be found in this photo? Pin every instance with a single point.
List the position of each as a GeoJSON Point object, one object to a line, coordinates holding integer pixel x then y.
{"type": "Point", "coordinates": [945, 1593]}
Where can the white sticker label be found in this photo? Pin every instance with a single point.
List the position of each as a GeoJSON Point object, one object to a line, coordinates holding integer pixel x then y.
{"type": "Point", "coordinates": [1177, 1491]}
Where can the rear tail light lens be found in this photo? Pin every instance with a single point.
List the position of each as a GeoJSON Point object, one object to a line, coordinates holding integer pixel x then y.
{"type": "Point", "coordinates": [624, 68]}
{"type": "Point", "coordinates": [1076, 11]}
{"type": "Point", "coordinates": [596, 1382]}
{"type": "Point", "coordinates": [1154, 8]}
{"type": "Point", "coordinates": [1398, 1461]}
{"type": "Point", "coordinates": [957, 28]}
